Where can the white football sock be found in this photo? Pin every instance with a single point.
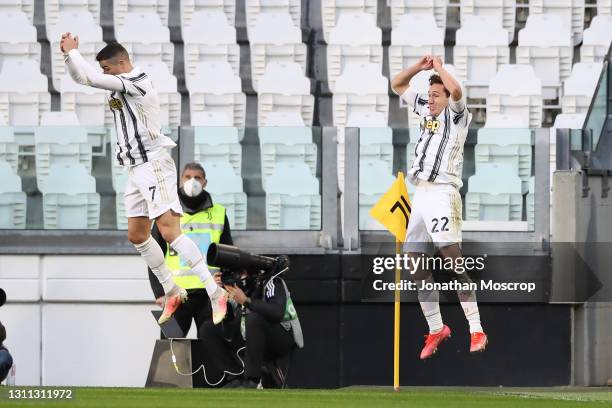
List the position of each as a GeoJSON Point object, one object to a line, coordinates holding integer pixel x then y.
{"type": "Point", "coordinates": [469, 305]}
{"type": "Point", "coordinates": [154, 258]}
{"type": "Point", "coordinates": [190, 253]}
{"type": "Point", "coordinates": [430, 304]}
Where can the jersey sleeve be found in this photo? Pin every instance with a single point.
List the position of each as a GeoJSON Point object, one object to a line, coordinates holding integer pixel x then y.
{"type": "Point", "coordinates": [135, 85]}
{"type": "Point", "coordinates": [415, 100]}
{"type": "Point", "coordinates": [459, 111]}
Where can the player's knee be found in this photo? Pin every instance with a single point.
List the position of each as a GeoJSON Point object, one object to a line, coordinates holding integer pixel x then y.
{"type": "Point", "coordinates": [169, 234]}
{"type": "Point", "coordinates": [137, 237]}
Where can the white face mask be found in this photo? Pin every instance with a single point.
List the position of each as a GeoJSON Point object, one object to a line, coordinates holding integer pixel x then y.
{"type": "Point", "coordinates": [192, 187]}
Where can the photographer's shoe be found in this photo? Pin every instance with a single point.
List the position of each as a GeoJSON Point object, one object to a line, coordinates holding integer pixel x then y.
{"type": "Point", "coordinates": [478, 342]}
{"type": "Point", "coordinates": [432, 341]}
{"type": "Point", "coordinates": [171, 304]}
{"type": "Point", "coordinates": [250, 384]}
{"type": "Point", "coordinates": [218, 302]}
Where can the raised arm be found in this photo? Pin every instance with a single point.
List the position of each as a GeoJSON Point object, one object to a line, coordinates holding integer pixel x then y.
{"type": "Point", "coordinates": [81, 71]}
{"type": "Point", "coordinates": [450, 83]}
{"type": "Point", "coordinates": [401, 81]}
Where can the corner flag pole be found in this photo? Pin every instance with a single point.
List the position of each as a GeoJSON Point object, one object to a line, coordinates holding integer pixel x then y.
{"type": "Point", "coordinates": [396, 326]}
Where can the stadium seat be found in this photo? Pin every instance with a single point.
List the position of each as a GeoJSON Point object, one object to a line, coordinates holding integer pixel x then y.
{"type": "Point", "coordinates": [516, 90]}
{"type": "Point", "coordinates": [210, 119]}
{"type": "Point", "coordinates": [79, 23]}
{"type": "Point", "coordinates": [255, 7]}
{"type": "Point", "coordinates": [59, 119]}
{"type": "Point", "coordinates": [122, 8]}
{"type": "Point", "coordinates": [70, 200]}
{"type": "Point", "coordinates": [354, 40]}
{"type": "Point", "coordinates": [17, 37]}
{"type": "Point", "coordinates": [121, 181]}
{"type": "Point", "coordinates": [437, 8]}
{"type": "Point", "coordinates": [291, 119]}
{"type": "Point", "coordinates": [90, 104]}
{"type": "Point", "coordinates": [274, 38]}
{"type": "Point", "coordinates": [596, 39]}
{"type": "Point", "coordinates": [407, 48]}
{"type": "Point", "coordinates": [505, 121]}
{"type": "Point", "coordinates": [361, 87]}
{"type": "Point", "coordinates": [284, 88]}
{"type": "Point", "coordinates": [216, 143]}
{"type": "Point", "coordinates": [494, 194]}
{"type": "Point", "coordinates": [375, 178]}
{"type": "Point", "coordinates": [505, 146]}
{"type": "Point", "coordinates": [570, 11]}
{"type": "Point", "coordinates": [209, 39]}
{"type": "Point", "coordinates": [54, 9]}
{"type": "Point", "coordinates": [286, 145]}
{"type": "Point", "coordinates": [146, 39]}
{"type": "Point", "coordinates": [24, 95]}
{"type": "Point", "coordinates": [167, 91]}
{"type": "Point", "coordinates": [25, 6]}
{"type": "Point", "coordinates": [190, 7]}
{"type": "Point", "coordinates": [504, 12]}
{"type": "Point", "coordinates": [226, 189]}
{"type": "Point", "coordinates": [215, 87]}
{"type": "Point", "coordinates": [293, 201]}
{"type": "Point", "coordinates": [9, 149]}
{"type": "Point", "coordinates": [546, 44]}
{"type": "Point", "coordinates": [604, 7]}
{"type": "Point", "coordinates": [531, 205]}
{"type": "Point", "coordinates": [481, 47]}
{"type": "Point", "coordinates": [60, 145]}
{"type": "Point", "coordinates": [13, 201]}
{"type": "Point", "coordinates": [579, 88]}
{"type": "Point", "coordinates": [332, 10]}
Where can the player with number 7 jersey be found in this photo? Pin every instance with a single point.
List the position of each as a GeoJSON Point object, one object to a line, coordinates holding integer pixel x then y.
{"type": "Point", "coordinates": [151, 190]}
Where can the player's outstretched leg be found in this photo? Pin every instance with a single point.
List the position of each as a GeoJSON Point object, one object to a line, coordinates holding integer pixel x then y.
{"type": "Point", "coordinates": [149, 249]}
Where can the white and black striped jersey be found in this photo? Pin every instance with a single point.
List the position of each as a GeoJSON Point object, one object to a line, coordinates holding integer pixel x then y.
{"type": "Point", "coordinates": [439, 152]}
{"type": "Point", "coordinates": [134, 104]}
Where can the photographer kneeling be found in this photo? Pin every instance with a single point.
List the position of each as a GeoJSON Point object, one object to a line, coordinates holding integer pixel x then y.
{"type": "Point", "coordinates": [262, 318]}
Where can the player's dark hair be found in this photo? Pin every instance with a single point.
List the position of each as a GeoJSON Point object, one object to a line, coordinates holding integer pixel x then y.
{"type": "Point", "coordinates": [194, 166]}
{"type": "Point", "coordinates": [435, 79]}
{"type": "Point", "coordinates": [112, 50]}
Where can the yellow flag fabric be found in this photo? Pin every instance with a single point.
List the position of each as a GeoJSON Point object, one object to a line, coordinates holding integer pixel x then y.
{"type": "Point", "coordinates": [393, 209]}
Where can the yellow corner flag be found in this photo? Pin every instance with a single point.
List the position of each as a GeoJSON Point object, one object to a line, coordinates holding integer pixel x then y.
{"type": "Point", "coordinates": [393, 209]}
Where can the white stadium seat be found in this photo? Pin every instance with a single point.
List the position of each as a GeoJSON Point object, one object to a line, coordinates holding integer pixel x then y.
{"type": "Point", "coordinates": [284, 88]}
{"type": "Point", "coordinates": [225, 187]}
{"type": "Point", "coordinates": [61, 118]}
{"type": "Point", "coordinates": [121, 9]}
{"type": "Point", "coordinates": [9, 149]}
{"type": "Point", "coordinates": [596, 39]}
{"type": "Point", "coordinates": [215, 87]}
{"type": "Point", "coordinates": [208, 118]}
{"type": "Point", "coordinates": [209, 39]}
{"type": "Point", "coordinates": [508, 146]}
{"type": "Point", "coordinates": [274, 38]}
{"type": "Point", "coordinates": [146, 39]}
{"type": "Point", "coordinates": [24, 95]}
{"type": "Point", "coordinates": [481, 47]}
{"type": "Point", "coordinates": [285, 145]}
{"type": "Point", "coordinates": [375, 178]}
{"type": "Point", "coordinates": [407, 48]}
{"type": "Point", "coordinates": [293, 201]}
{"type": "Point", "coordinates": [546, 44]}
{"type": "Point", "coordinates": [604, 7]}
{"type": "Point", "coordinates": [90, 104]}
{"type": "Point", "coordinates": [361, 87]}
{"type": "Point", "coordinates": [516, 90]}
{"type": "Point", "coordinates": [13, 200]}
{"type": "Point", "coordinates": [504, 12]}
{"type": "Point", "coordinates": [189, 7]}
{"type": "Point", "coordinates": [579, 88]}
{"type": "Point", "coordinates": [437, 8]}
{"type": "Point", "coordinates": [70, 200]}
{"type": "Point", "coordinates": [17, 37]}
{"type": "Point", "coordinates": [80, 24]}
{"type": "Point", "coordinates": [570, 11]}
{"type": "Point", "coordinates": [167, 90]}
{"type": "Point", "coordinates": [354, 40]}
{"type": "Point", "coordinates": [255, 7]}
{"type": "Point", "coordinates": [293, 119]}
{"type": "Point", "coordinates": [506, 121]}
{"type": "Point", "coordinates": [332, 10]}
{"type": "Point", "coordinates": [60, 145]}
{"type": "Point", "coordinates": [25, 6]}
{"type": "Point", "coordinates": [494, 194]}
{"type": "Point", "coordinates": [217, 143]}
{"type": "Point", "coordinates": [54, 8]}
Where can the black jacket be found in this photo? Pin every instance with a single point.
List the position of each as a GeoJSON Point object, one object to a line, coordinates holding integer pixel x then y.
{"type": "Point", "coordinates": [190, 206]}
{"type": "Point", "coordinates": [269, 300]}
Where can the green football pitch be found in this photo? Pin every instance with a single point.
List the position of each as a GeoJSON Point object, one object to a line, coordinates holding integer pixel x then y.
{"type": "Point", "coordinates": [347, 397]}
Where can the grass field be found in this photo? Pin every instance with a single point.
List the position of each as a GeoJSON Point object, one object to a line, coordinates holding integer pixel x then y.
{"type": "Point", "coordinates": [348, 397]}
